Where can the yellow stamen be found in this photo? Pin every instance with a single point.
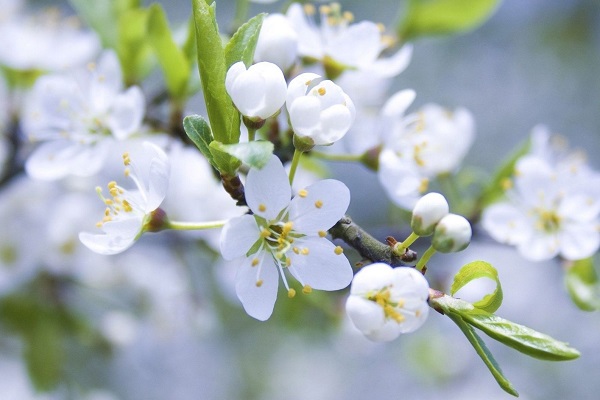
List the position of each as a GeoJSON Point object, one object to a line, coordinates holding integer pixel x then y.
{"type": "Point", "coordinates": [322, 234]}
{"type": "Point", "coordinates": [318, 203]}
{"type": "Point", "coordinates": [304, 251]}
{"type": "Point", "coordinates": [262, 208]}
{"type": "Point", "coordinates": [303, 193]}
{"type": "Point", "coordinates": [259, 283]}
{"type": "Point", "coordinates": [322, 91]}
{"type": "Point", "coordinates": [338, 250]}
{"type": "Point", "coordinates": [306, 289]}
{"type": "Point", "coordinates": [255, 262]}
{"type": "Point", "coordinates": [291, 293]}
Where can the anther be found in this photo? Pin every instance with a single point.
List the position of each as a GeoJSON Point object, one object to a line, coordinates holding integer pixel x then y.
{"type": "Point", "coordinates": [318, 204]}
{"type": "Point", "coordinates": [304, 251]}
{"type": "Point", "coordinates": [262, 208]}
{"type": "Point", "coordinates": [303, 193]}
{"type": "Point", "coordinates": [322, 91]}
{"type": "Point", "coordinates": [265, 233]}
{"type": "Point", "coordinates": [255, 262]}
{"type": "Point", "coordinates": [306, 289]}
{"type": "Point", "coordinates": [322, 234]}
{"type": "Point", "coordinates": [259, 283]}
{"type": "Point", "coordinates": [338, 250]}
{"type": "Point", "coordinates": [291, 293]}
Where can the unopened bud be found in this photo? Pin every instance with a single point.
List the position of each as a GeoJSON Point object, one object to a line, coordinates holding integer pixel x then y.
{"type": "Point", "coordinates": [452, 234]}
{"type": "Point", "coordinates": [428, 211]}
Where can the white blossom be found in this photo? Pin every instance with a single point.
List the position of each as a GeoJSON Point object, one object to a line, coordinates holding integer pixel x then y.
{"type": "Point", "coordinates": [46, 41]}
{"type": "Point", "coordinates": [129, 211]}
{"type": "Point", "coordinates": [452, 234]}
{"type": "Point", "coordinates": [277, 42]}
{"type": "Point", "coordinates": [428, 211]}
{"type": "Point", "coordinates": [319, 109]}
{"type": "Point", "coordinates": [385, 302]}
{"type": "Point", "coordinates": [284, 235]}
{"type": "Point", "coordinates": [77, 115]}
{"type": "Point", "coordinates": [259, 91]}
{"type": "Point", "coordinates": [421, 146]}
{"type": "Point", "coordinates": [340, 43]}
{"type": "Point", "coordinates": [552, 209]}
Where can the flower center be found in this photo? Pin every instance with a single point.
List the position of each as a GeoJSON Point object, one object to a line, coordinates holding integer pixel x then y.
{"type": "Point", "coordinates": [279, 238]}
{"type": "Point", "coordinates": [548, 220]}
{"type": "Point", "coordinates": [390, 308]}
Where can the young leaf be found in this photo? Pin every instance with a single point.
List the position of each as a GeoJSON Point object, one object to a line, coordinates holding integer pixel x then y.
{"type": "Point", "coordinates": [256, 153]}
{"type": "Point", "coordinates": [176, 67]}
{"type": "Point", "coordinates": [225, 163]}
{"type": "Point", "coordinates": [199, 132]}
{"type": "Point", "coordinates": [484, 353]}
{"type": "Point", "coordinates": [243, 43]}
{"type": "Point", "coordinates": [444, 17]}
{"type": "Point", "coordinates": [133, 46]}
{"type": "Point", "coordinates": [582, 284]}
{"type": "Point", "coordinates": [519, 337]}
{"type": "Point", "coordinates": [475, 270]}
{"type": "Point", "coordinates": [224, 118]}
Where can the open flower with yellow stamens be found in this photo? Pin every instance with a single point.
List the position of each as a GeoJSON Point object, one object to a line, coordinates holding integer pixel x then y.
{"type": "Point", "coordinates": [285, 234]}
{"type": "Point", "coordinates": [129, 213]}
{"type": "Point", "coordinates": [385, 302]}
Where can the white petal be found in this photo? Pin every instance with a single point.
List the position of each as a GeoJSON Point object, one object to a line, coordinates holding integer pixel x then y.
{"type": "Point", "coordinates": [366, 315]}
{"type": "Point", "coordinates": [579, 240]}
{"type": "Point", "coordinates": [299, 86]}
{"type": "Point", "coordinates": [305, 116]}
{"type": "Point", "coordinates": [257, 301]}
{"type": "Point", "coordinates": [415, 319]}
{"type": "Point", "coordinates": [332, 197]}
{"type": "Point", "coordinates": [579, 207]}
{"type": "Point", "coordinates": [57, 159]}
{"type": "Point", "coordinates": [268, 189]}
{"type": "Point", "coordinates": [540, 247]}
{"type": "Point", "coordinates": [396, 105]}
{"type": "Point", "coordinates": [106, 244]}
{"type": "Point", "coordinates": [335, 123]}
{"type": "Point", "coordinates": [388, 332]}
{"type": "Point", "coordinates": [321, 268]}
{"type": "Point", "coordinates": [506, 223]}
{"type": "Point", "coordinates": [358, 45]}
{"type": "Point", "coordinates": [238, 236]}
{"type": "Point", "coordinates": [159, 173]}
{"type": "Point", "coordinates": [373, 277]}
{"type": "Point", "coordinates": [309, 40]}
{"type": "Point", "coordinates": [126, 113]}
{"type": "Point", "coordinates": [394, 65]}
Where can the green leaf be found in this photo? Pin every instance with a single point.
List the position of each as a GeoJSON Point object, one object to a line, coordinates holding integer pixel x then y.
{"type": "Point", "coordinates": [44, 353]}
{"type": "Point", "coordinates": [256, 153]}
{"type": "Point", "coordinates": [224, 118]}
{"type": "Point", "coordinates": [133, 46]}
{"type": "Point", "coordinates": [444, 17]}
{"type": "Point", "coordinates": [497, 185]}
{"type": "Point", "coordinates": [483, 352]}
{"type": "Point", "coordinates": [475, 270]}
{"type": "Point", "coordinates": [101, 16]}
{"type": "Point", "coordinates": [582, 284]}
{"type": "Point", "coordinates": [199, 132]}
{"type": "Point", "coordinates": [243, 43]}
{"type": "Point", "coordinates": [224, 162]}
{"type": "Point", "coordinates": [175, 65]}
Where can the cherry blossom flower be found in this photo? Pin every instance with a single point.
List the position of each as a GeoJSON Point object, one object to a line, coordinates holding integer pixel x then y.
{"type": "Point", "coordinates": [129, 213]}
{"type": "Point", "coordinates": [551, 209]}
{"type": "Point", "coordinates": [77, 116]}
{"type": "Point", "coordinates": [285, 235]}
{"type": "Point", "coordinates": [319, 110]}
{"type": "Point", "coordinates": [452, 234]}
{"type": "Point", "coordinates": [427, 213]}
{"type": "Point", "coordinates": [385, 302]}
{"type": "Point", "coordinates": [259, 91]}
{"type": "Point", "coordinates": [339, 44]}
{"type": "Point", "coordinates": [421, 146]}
{"type": "Point", "coordinates": [277, 42]}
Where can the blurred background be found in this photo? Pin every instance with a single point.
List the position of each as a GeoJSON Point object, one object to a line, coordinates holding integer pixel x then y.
{"type": "Point", "coordinates": [165, 324]}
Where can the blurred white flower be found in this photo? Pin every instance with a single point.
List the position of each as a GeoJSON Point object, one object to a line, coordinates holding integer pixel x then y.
{"type": "Point", "coordinates": [259, 91]}
{"type": "Point", "coordinates": [46, 41]}
{"type": "Point", "coordinates": [427, 213]}
{"type": "Point", "coordinates": [385, 302]}
{"type": "Point", "coordinates": [285, 235]}
{"type": "Point", "coordinates": [77, 115]}
{"type": "Point", "coordinates": [339, 43]}
{"type": "Point", "coordinates": [452, 234]}
{"type": "Point", "coordinates": [128, 212]}
{"type": "Point", "coordinates": [551, 209]}
{"type": "Point", "coordinates": [319, 109]}
{"type": "Point", "coordinates": [277, 42]}
{"type": "Point", "coordinates": [421, 146]}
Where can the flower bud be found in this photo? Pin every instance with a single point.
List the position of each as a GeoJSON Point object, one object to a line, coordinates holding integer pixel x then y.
{"type": "Point", "coordinates": [319, 109]}
{"type": "Point", "coordinates": [277, 42]}
{"type": "Point", "coordinates": [259, 91]}
{"type": "Point", "coordinates": [428, 211]}
{"type": "Point", "coordinates": [452, 234]}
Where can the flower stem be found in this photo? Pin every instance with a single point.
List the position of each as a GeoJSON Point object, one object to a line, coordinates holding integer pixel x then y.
{"type": "Point", "coordinates": [425, 258]}
{"type": "Point", "coordinates": [401, 247]}
{"type": "Point", "coordinates": [336, 157]}
{"type": "Point", "coordinates": [251, 134]}
{"type": "Point", "coordinates": [295, 161]}
{"type": "Point", "coordinates": [194, 226]}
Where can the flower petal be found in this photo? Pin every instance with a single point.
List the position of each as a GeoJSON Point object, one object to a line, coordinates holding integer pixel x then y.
{"type": "Point", "coordinates": [268, 189]}
{"type": "Point", "coordinates": [366, 315]}
{"type": "Point", "coordinates": [319, 206]}
{"type": "Point", "coordinates": [126, 113]}
{"type": "Point", "coordinates": [238, 236]}
{"type": "Point", "coordinates": [392, 66]}
{"type": "Point", "coordinates": [506, 223]}
{"type": "Point", "coordinates": [321, 268]}
{"type": "Point", "coordinates": [388, 332]}
{"type": "Point", "coordinates": [258, 301]}
{"type": "Point", "coordinates": [579, 240]}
